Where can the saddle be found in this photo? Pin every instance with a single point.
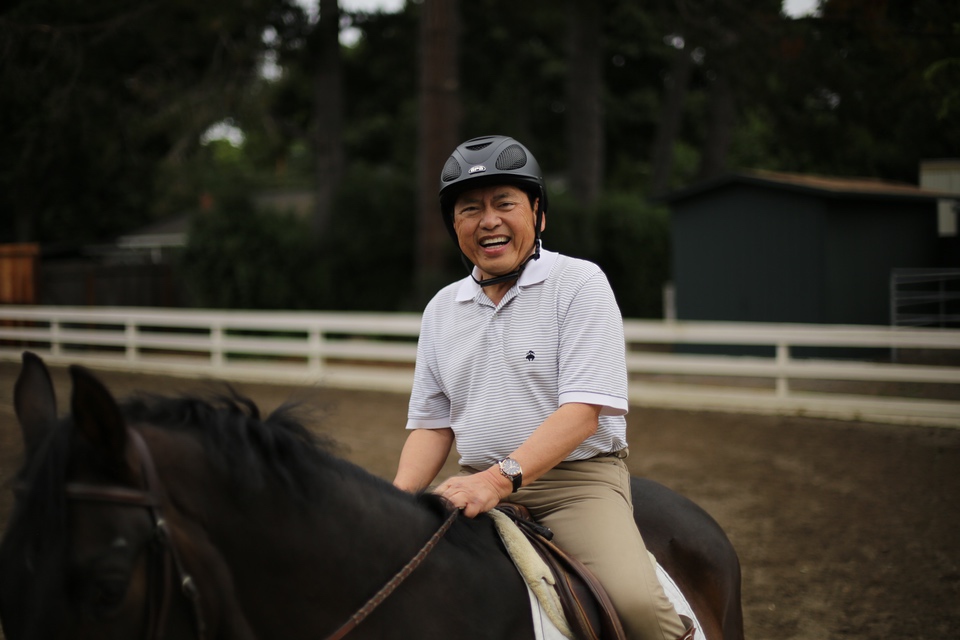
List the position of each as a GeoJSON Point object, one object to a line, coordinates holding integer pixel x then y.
{"type": "Point", "coordinates": [585, 604]}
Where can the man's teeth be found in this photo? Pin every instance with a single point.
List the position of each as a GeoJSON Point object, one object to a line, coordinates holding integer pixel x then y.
{"type": "Point", "coordinates": [493, 242]}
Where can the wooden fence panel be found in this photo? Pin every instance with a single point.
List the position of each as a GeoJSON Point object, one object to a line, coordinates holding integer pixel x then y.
{"type": "Point", "coordinates": [18, 273]}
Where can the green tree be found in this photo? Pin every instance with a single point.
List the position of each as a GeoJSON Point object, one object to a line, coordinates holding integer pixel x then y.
{"type": "Point", "coordinates": [439, 123]}
{"type": "Point", "coordinates": [106, 92]}
{"type": "Point", "coordinates": [366, 261]}
{"type": "Point", "coordinates": [584, 98]}
{"type": "Point", "coordinates": [633, 246]}
{"type": "Point", "coordinates": [852, 97]}
{"type": "Point", "coordinates": [328, 113]}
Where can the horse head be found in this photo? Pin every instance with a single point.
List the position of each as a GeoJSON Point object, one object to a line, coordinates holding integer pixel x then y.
{"type": "Point", "coordinates": [90, 551]}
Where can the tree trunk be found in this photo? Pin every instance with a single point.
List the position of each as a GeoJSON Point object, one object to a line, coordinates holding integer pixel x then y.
{"type": "Point", "coordinates": [328, 115]}
{"type": "Point", "coordinates": [585, 144]}
{"type": "Point", "coordinates": [438, 131]}
{"type": "Point", "coordinates": [671, 115]}
{"type": "Point", "coordinates": [713, 160]}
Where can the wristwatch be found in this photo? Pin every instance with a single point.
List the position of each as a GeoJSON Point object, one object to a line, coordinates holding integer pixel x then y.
{"type": "Point", "coordinates": [511, 470]}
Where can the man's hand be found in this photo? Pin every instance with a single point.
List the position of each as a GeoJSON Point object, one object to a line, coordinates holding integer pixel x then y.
{"type": "Point", "coordinates": [477, 493]}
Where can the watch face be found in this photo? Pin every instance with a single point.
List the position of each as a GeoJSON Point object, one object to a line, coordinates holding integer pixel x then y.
{"type": "Point", "coordinates": [510, 466]}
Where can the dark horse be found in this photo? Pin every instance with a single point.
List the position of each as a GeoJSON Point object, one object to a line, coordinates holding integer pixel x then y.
{"type": "Point", "coordinates": [195, 518]}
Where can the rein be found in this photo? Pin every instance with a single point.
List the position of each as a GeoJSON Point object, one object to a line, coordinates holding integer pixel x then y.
{"type": "Point", "coordinates": [395, 582]}
{"type": "Point", "coordinates": [150, 499]}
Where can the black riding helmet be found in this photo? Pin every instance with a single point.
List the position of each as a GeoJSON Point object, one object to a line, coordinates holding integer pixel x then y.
{"type": "Point", "coordinates": [492, 160]}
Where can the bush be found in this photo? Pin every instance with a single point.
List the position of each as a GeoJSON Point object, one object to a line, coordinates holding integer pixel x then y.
{"type": "Point", "coordinates": [366, 257]}
{"type": "Point", "coordinates": [627, 236]}
{"type": "Point", "coordinates": [240, 258]}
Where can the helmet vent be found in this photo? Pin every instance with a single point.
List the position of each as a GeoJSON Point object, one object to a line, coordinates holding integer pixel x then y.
{"type": "Point", "coordinates": [451, 170]}
{"type": "Point", "coordinates": [477, 147]}
{"type": "Point", "coordinates": [512, 158]}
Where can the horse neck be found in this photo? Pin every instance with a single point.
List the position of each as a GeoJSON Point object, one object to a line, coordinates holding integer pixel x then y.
{"type": "Point", "coordinates": [353, 524]}
{"type": "Point", "coordinates": [339, 493]}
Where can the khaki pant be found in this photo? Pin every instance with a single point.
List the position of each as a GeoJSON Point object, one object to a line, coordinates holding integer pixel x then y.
{"type": "Point", "coordinates": [588, 506]}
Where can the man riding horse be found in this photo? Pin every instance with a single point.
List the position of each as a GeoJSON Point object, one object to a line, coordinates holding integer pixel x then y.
{"type": "Point", "coordinates": [522, 364]}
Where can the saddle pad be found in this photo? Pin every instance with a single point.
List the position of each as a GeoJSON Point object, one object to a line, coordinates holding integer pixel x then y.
{"type": "Point", "coordinates": [548, 618]}
{"type": "Point", "coordinates": [535, 572]}
{"type": "Point", "coordinates": [543, 626]}
{"type": "Point", "coordinates": [677, 598]}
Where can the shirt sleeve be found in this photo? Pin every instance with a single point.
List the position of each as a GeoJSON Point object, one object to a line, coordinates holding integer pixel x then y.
{"type": "Point", "coordinates": [592, 358]}
{"type": "Point", "coordinates": [429, 406]}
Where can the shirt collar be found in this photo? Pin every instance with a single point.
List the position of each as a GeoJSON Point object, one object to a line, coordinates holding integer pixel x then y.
{"type": "Point", "coordinates": [535, 272]}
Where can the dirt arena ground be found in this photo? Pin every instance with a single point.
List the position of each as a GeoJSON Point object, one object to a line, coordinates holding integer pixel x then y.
{"type": "Point", "coordinates": [844, 530]}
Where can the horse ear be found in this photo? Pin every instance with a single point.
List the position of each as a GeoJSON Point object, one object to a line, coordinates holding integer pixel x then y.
{"type": "Point", "coordinates": [34, 401]}
{"type": "Point", "coordinates": [96, 414]}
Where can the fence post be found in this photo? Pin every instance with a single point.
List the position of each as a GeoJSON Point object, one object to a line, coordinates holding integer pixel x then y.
{"type": "Point", "coordinates": [216, 345]}
{"type": "Point", "coordinates": [130, 332]}
{"type": "Point", "coordinates": [55, 337]}
{"type": "Point", "coordinates": [783, 359]}
{"type": "Point", "coordinates": [315, 349]}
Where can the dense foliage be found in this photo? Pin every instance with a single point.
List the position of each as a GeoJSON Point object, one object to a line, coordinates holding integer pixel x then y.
{"type": "Point", "coordinates": [103, 131]}
{"type": "Point", "coordinates": [99, 95]}
{"type": "Point", "coordinates": [630, 241]}
{"type": "Point", "coordinates": [242, 258]}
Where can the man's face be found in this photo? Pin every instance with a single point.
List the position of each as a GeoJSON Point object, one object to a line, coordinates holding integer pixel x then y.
{"type": "Point", "coordinates": [495, 228]}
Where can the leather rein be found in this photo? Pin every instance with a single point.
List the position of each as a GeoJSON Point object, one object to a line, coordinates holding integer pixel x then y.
{"type": "Point", "coordinates": [150, 499]}
{"type": "Point", "coordinates": [395, 582]}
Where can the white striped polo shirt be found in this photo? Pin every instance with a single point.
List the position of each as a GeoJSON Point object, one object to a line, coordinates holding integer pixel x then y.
{"type": "Point", "coordinates": [495, 373]}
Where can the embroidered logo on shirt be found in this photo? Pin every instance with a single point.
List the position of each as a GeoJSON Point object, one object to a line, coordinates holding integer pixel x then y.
{"type": "Point", "coordinates": [531, 355]}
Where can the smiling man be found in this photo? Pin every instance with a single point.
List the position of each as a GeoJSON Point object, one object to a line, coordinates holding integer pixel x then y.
{"type": "Point", "coordinates": [522, 365]}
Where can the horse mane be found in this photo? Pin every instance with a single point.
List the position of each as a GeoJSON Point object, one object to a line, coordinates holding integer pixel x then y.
{"type": "Point", "coordinates": [229, 425]}
{"type": "Point", "coordinates": [252, 449]}
{"type": "Point", "coordinates": [238, 440]}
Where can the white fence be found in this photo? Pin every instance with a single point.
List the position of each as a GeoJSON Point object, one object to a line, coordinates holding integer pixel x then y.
{"type": "Point", "coordinates": [377, 351]}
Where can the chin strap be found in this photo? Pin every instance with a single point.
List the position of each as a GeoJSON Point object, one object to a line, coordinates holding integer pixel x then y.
{"type": "Point", "coordinates": [513, 275]}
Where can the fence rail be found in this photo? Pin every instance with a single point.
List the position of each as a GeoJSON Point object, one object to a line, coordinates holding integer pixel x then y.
{"type": "Point", "coordinates": [671, 364]}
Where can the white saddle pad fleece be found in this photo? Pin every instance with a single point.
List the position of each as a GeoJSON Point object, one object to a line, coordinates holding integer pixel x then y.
{"type": "Point", "coordinates": [548, 618]}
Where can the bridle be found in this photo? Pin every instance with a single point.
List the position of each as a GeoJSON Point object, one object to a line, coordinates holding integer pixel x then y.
{"type": "Point", "coordinates": [150, 498]}
{"type": "Point", "coordinates": [168, 559]}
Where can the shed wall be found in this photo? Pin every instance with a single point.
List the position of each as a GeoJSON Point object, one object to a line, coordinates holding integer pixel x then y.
{"type": "Point", "coordinates": [866, 240]}
{"type": "Point", "coordinates": [747, 254]}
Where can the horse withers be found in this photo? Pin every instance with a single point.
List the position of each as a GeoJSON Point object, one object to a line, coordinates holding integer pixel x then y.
{"type": "Point", "coordinates": [186, 517]}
